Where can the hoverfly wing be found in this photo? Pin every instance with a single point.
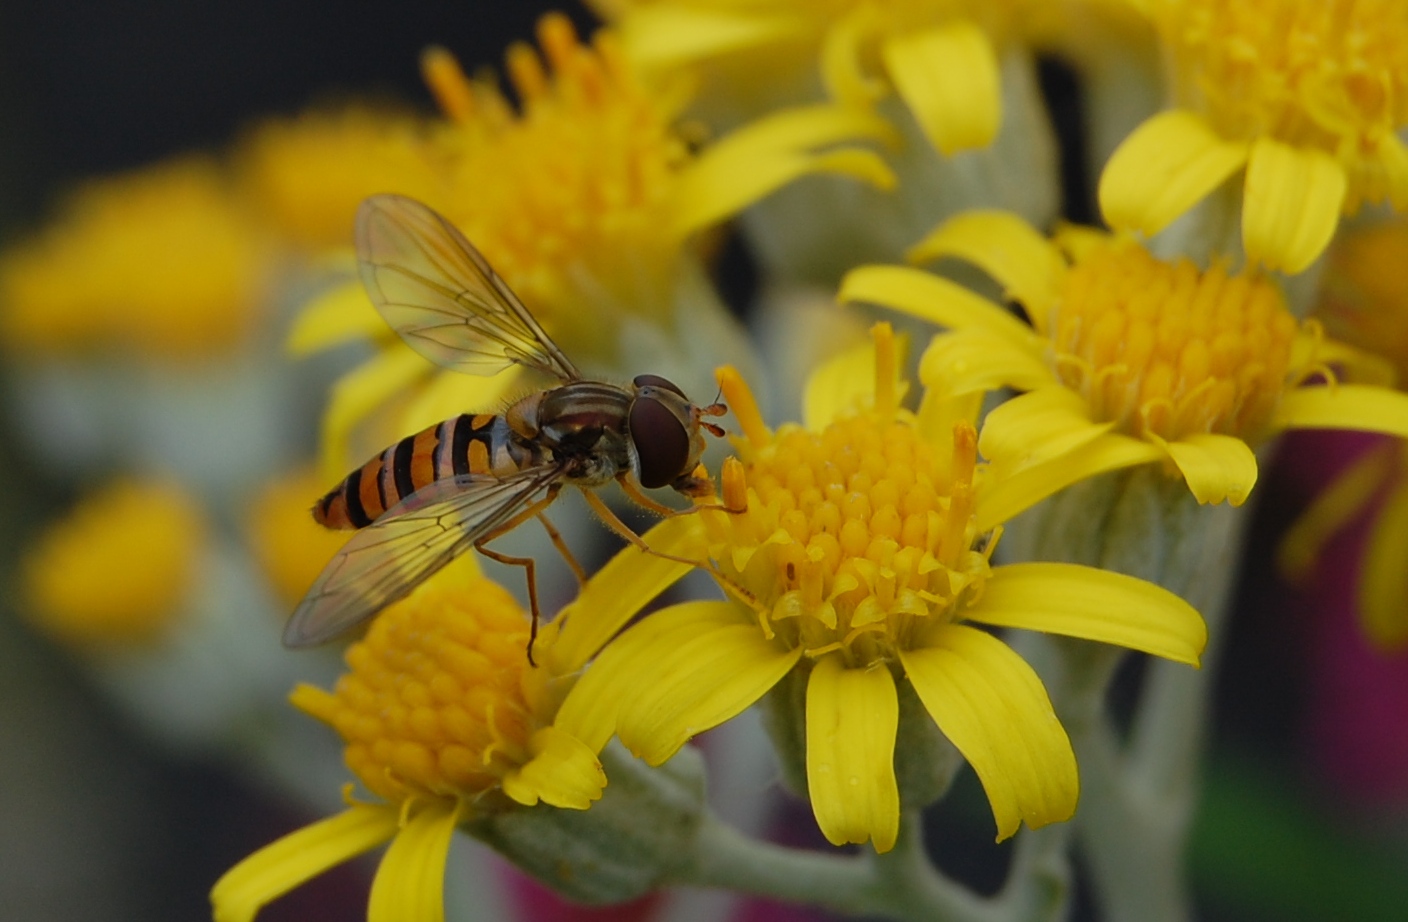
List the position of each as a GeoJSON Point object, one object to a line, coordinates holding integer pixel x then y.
{"type": "Point", "coordinates": [443, 298]}
{"type": "Point", "coordinates": [410, 542]}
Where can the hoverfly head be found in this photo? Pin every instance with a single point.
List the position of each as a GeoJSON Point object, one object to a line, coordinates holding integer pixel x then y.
{"type": "Point", "coordinates": [668, 433]}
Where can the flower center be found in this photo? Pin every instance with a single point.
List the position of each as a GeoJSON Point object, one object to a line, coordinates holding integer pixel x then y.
{"type": "Point", "coordinates": [851, 534]}
{"type": "Point", "coordinates": [1331, 75]}
{"type": "Point", "coordinates": [1170, 350]}
{"type": "Point", "coordinates": [579, 178]}
{"type": "Point", "coordinates": [433, 701]}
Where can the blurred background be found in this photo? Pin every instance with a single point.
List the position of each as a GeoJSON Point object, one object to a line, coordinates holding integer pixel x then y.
{"type": "Point", "coordinates": [1304, 813]}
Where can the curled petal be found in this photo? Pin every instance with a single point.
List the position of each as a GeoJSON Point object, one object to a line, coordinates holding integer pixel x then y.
{"type": "Point", "coordinates": [992, 706]}
{"type": "Point", "coordinates": [852, 718]}
{"type": "Point", "coordinates": [563, 771]}
{"type": "Point", "coordinates": [1292, 204]}
{"type": "Point", "coordinates": [948, 77]}
{"type": "Point", "coordinates": [1383, 584]}
{"type": "Point", "coordinates": [1215, 467]}
{"type": "Point", "coordinates": [975, 361]}
{"type": "Point", "coordinates": [339, 315]}
{"type": "Point", "coordinates": [1093, 604]}
{"type": "Point", "coordinates": [1164, 168]}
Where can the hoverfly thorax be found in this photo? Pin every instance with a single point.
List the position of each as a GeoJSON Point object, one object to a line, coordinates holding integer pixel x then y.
{"type": "Point", "coordinates": [667, 432]}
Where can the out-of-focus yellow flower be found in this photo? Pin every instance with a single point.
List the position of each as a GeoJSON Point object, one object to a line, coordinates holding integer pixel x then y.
{"type": "Point", "coordinates": [305, 176]}
{"type": "Point", "coordinates": [863, 549]}
{"type": "Point", "coordinates": [117, 570]}
{"type": "Point", "coordinates": [1365, 303]}
{"type": "Point", "coordinates": [445, 720]}
{"type": "Point", "coordinates": [291, 548]}
{"type": "Point", "coordinates": [1308, 97]}
{"type": "Point", "coordinates": [162, 262]}
{"type": "Point", "coordinates": [1128, 360]}
{"type": "Point", "coordinates": [586, 200]}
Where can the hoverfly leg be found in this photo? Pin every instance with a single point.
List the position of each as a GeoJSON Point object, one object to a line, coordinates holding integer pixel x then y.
{"type": "Point", "coordinates": [556, 537]}
{"type": "Point", "coordinates": [613, 522]}
{"type": "Point", "coordinates": [536, 509]}
{"type": "Point", "coordinates": [528, 568]}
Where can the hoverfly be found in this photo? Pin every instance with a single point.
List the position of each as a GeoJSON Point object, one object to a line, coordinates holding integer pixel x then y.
{"type": "Point", "coordinates": [463, 482]}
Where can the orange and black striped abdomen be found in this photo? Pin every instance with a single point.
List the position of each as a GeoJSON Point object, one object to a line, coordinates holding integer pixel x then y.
{"type": "Point", "coordinates": [467, 444]}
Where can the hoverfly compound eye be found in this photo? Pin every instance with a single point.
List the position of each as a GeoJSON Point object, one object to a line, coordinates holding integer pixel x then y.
{"type": "Point", "coordinates": [661, 440]}
{"type": "Point", "coordinates": [657, 381]}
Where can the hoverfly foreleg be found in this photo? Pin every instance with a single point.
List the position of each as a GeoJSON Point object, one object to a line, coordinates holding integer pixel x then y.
{"type": "Point", "coordinates": [614, 522]}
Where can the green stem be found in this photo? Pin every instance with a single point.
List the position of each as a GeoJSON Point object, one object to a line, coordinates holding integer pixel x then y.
{"type": "Point", "coordinates": [901, 884]}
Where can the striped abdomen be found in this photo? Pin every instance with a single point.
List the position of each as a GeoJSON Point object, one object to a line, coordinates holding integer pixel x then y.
{"type": "Point", "coordinates": [478, 444]}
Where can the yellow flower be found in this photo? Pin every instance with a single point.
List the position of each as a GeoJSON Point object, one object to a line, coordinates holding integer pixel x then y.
{"type": "Point", "coordinates": [1365, 303]}
{"type": "Point", "coordinates": [290, 547]}
{"type": "Point", "coordinates": [446, 721]}
{"type": "Point", "coordinates": [864, 556]}
{"type": "Point", "coordinates": [161, 261]}
{"type": "Point", "coordinates": [305, 176]}
{"type": "Point", "coordinates": [1128, 360]}
{"type": "Point", "coordinates": [585, 199]}
{"type": "Point", "coordinates": [939, 58]}
{"type": "Point", "coordinates": [1308, 97]}
{"type": "Point", "coordinates": [116, 570]}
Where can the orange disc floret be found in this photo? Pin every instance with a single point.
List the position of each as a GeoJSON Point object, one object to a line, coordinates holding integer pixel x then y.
{"type": "Point", "coordinates": [433, 700]}
{"type": "Point", "coordinates": [1168, 349]}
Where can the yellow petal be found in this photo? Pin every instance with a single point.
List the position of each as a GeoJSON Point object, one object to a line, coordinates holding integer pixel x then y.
{"type": "Point", "coordinates": [667, 36]}
{"type": "Point", "coordinates": [948, 77]}
{"type": "Point", "coordinates": [359, 392]}
{"type": "Point", "coordinates": [619, 590]}
{"type": "Point", "coordinates": [338, 315]}
{"type": "Point", "coordinates": [410, 882]}
{"type": "Point", "coordinates": [992, 706]}
{"type": "Point", "coordinates": [1007, 248]}
{"type": "Point", "coordinates": [932, 299]}
{"type": "Point", "coordinates": [639, 673]}
{"type": "Point", "coordinates": [975, 361]}
{"type": "Point", "coordinates": [1383, 583]}
{"type": "Point", "coordinates": [1333, 508]}
{"type": "Point", "coordinates": [692, 673]}
{"type": "Point", "coordinates": [563, 771]}
{"type": "Point", "coordinates": [1093, 604]}
{"type": "Point", "coordinates": [1003, 497]}
{"type": "Point", "coordinates": [1215, 467]}
{"type": "Point", "coordinates": [852, 718]}
{"type": "Point", "coordinates": [282, 865]}
{"type": "Point", "coordinates": [842, 58]}
{"type": "Point", "coordinates": [1345, 406]}
{"type": "Point", "coordinates": [1291, 205]}
{"type": "Point", "coordinates": [843, 383]}
{"type": "Point", "coordinates": [769, 153]}
{"type": "Point", "coordinates": [1036, 427]}
{"type": "Point", "coordinates": [1164, 168]}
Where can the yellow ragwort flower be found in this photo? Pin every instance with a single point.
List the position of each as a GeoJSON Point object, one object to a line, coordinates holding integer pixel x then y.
{"type": "Point", "coordinates": [1127, 359]}
{"type": "Point", "coordinates": [446, 721]}
{"type": "Point", "coordinates": [1365, 303]}
{"type": "Point", "coordinates": [117, 570]}
{"type": "Point", "coordinates": [940, 58]}
{"type": "Point", "coordinates": [305, 176]}
{"type": "Point", "coordinates": [585, 199]}
{"type": "Point", "coordinates": [161, 262]}
{"type": "Point", "coordinates": [1309, 97]}
{"type": "Point", "coordinates": [864, 554]}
